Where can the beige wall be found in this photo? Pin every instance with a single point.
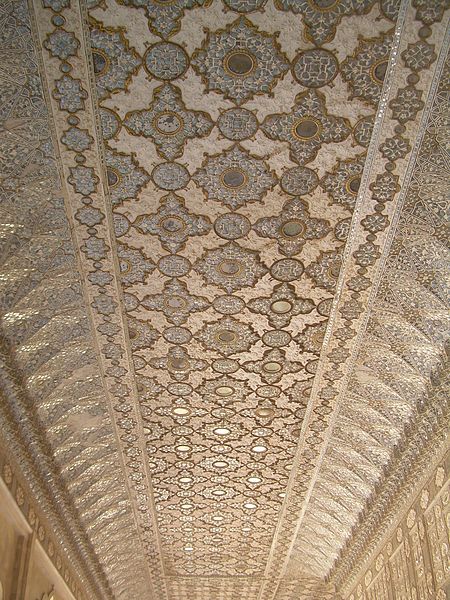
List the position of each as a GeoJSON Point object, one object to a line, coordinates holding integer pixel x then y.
{"type": "Point", "coordinates": [26, 572]}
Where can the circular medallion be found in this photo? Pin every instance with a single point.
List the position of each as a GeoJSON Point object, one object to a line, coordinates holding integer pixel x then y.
{"type": "Point", "coordinates": [181, 411]}
{"type": "Point", "coordinates": [264, 412]}
{"type": "Point", "coordinates": [234, 178]}
{"type": "Point", "coordinates": [177, 335]}
{"type": "Point", "coordinates": [232, 226]}
{"type": "Point", "coordinates": [174, 265]}
{"type": "Point", "coordinates": [179, 389]}
{"type": "Point", "coordinates": [174, 303]}
{"type": "Point", "coordinates": [239, 63]}
{"type": "Point", "coordinates": [168, 123]}
{"type": "Point", "coordinates": [268, 391]}
{"type": "Point", "coordinates": [228, 305]}
{"type": "Point", "coordinates": [292, 229]}
{"type": "Point", "coordinates": [281, 307]}
{"type": "Point", "coordinates": [226, 336]}
{"type": "Point", "coordinates": [306, 128]}
{"type": "Point", "coordinates": [287, 269]}
{"type": "Point", "coordinates": [170, 176]}
{"type": "Point", "coordinates": [378, 71]}
{"type": "Point", "coordinates": [229, 267]}
{"type": "Point", "coordinates": [121, 225]}
{"type": "Point", "coordinates": [299, 181]}
{"type": "Point", "coordinates": [101, 62]}
{"type": "Point", "coordinates": [224, 391]}
{"type": "Point", "coordinates": [276, 338]}
{"type": "Point", "coordinates": [272, 367]}
{"type": "Point", "coordinates": [311, 367]}
{"type": "Point", "coordinates": [166, 61]}
{"type": "Point", "coordinates": [352, 185]}
{"type": "Point", "coordinates": [110, 123]}
{"type": "Point", "coordinates": [324, 307]}
{"type": "Point", "coordinates": [315, 68]}
{"type": "Point", "coordinates": [172, 224]}
{"type": "Point", "coordinates": [113, 177]}
{"type": "Point", "coordinates": [237, 124]}
{"type": "Point", "coordinates": [177, 363]}
{"type": "Point", "coordinates": [225, 365]}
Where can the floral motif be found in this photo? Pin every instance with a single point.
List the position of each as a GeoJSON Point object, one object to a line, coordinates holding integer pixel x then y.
{"type": "Point", "coordinates": [133, 264]}
{"type": "Point", "coordinates": [320, 18]}
{"type": "Point", "coordinates": [245, 6]}
{"type": "Point", "coordinates": [406, 104]}
{"type": "Point", "coordinates": [293, 227]}
{"type": "Point", "coordinates": [240, 61]}
{"type": "Point", "coordinates": [342, 184]}
{"type": "Point", "coordinates": [362, 132]}
{"type": "Point", "coordinates": [70, 94]}
{"type": "Point", "coordinates": [231, 267]}
{"type": "Point", "coordinates": [142, 335]}
{"type": "Point", "coordinates": [234, 177]}
{"type": "Point", "coordinates": [325, 270]}
{"type": "Point", "coordinates": [77, 140]}
{"type": "Point", "coordinates": [168, 122]}
{"type": "Point", "coordinates": [307, 127]}
{"type": "Point", "coordinates": [62, 44]}
{"type": "Point", "coordinates": [83, 179]}
{"type": "Point", "coordinates": [299, 181]}
{"type": "Point", "coordinates": [366, 69]}
{"type": "Point", "coordinates": [273, 366]}
{"type": "Point", "coordinates": [173, 223]}
{"type": "Point", "coordinates": [178, 362]}
{"type": "Point", "coordinates": [281, 305]}
{"type": "Point", "coordinates": [125, 177]}
{"type": "Point", "coordinates": [429, 11]}
{"type": "Point", "coordinates": [175, 302]}
{"type": "Point", "coordinates": [227, 336]}
{"type": "Point", "coordinates": [170, 176]}
{"type": "Point", "coordinates": [223, 390]}
{"type": "Point", "coordinates": [385, 187]}
{"type": "Point", "coordinates": [56, 5]}
{"type": "Point", "coordinates": [419, 56]}
{"type": "Point", "coordinates": [395, 147]}
{"type": "Point", "coordinates": [114, 61]}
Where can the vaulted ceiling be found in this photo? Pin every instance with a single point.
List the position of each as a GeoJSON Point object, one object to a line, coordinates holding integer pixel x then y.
{"type": "Point", "coordinates": [224, 276]}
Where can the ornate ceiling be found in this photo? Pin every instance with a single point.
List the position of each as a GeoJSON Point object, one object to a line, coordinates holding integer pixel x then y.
{"type": "Point", "coordinates": [224, 279]}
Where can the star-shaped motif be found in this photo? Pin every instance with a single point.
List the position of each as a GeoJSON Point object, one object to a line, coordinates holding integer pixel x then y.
{"type": "Point", "coordinates": [175, 302]}
{"type": "Point", "coordinates": [231, 267]}
{"type": "Point", "coordinates": [126, 177]}
{"type": "Point", "coordinates": [342, 184]}
{"type": "Point", "coordinates": [293, 227]}
{"type": "Point", "coordinates": [173, 223]}
{"type": "Point", "coordinates": [134, 265]}
{"type": "Point", "coordinates": [273, 366]}
{"type": "Point", "coordinates": [142, 335]}
{"type": "Point", "coordinates": [168, 122]}
{"type": "Point", "coordinates": [178, 362]}
{"type": "Point", "coordinates": [235, 177]}
{"type": "Point", "coordinates": [240, 61]}
{"type": "Point", "coordinates": [311, 338]}
{"type": "Point", "coordinates": [281, 305]}
{"type": "Point", "coordinates": [307, 127]}
{"type": "Point", "coordinates": [227, 336]}
{"type": "Point", "coordinates": [325, 270]}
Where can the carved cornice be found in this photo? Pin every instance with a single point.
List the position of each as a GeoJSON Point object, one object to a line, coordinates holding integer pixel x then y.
{"type": "Point", "coordinates": [424, 442]}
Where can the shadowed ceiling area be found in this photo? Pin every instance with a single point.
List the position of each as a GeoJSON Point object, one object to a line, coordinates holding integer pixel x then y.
{"type": "Point", "coordinates": [224, 281]}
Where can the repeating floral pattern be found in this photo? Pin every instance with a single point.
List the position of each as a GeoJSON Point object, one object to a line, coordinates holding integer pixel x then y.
{"type": "Point", "coordinates": [230, 331]}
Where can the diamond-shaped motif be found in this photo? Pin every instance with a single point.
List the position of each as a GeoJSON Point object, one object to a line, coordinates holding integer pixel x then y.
{"type": "Point", "coordinates": [240, 61]}
{"type": "Point", "coordinates": [307, 127]}
{"type": "Point", "coordinates": [227, 336]}
{"type": "Point", "coordinates": [235, 177]}
{"type": "Point", "coordinates": [173, 223]}
{"type": "Point", "coordinates": [231, 267]}
{"type": "Point", "coordinates": [293, 227]}
{"type": "Point", "coordinates": [281, 305]}
{"type": "Point", "coordinates": [168, 122]}
{"type": "Point", "coordinates": [273, 366]}
{"type": "Point", "coordinates": [175, 302]}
